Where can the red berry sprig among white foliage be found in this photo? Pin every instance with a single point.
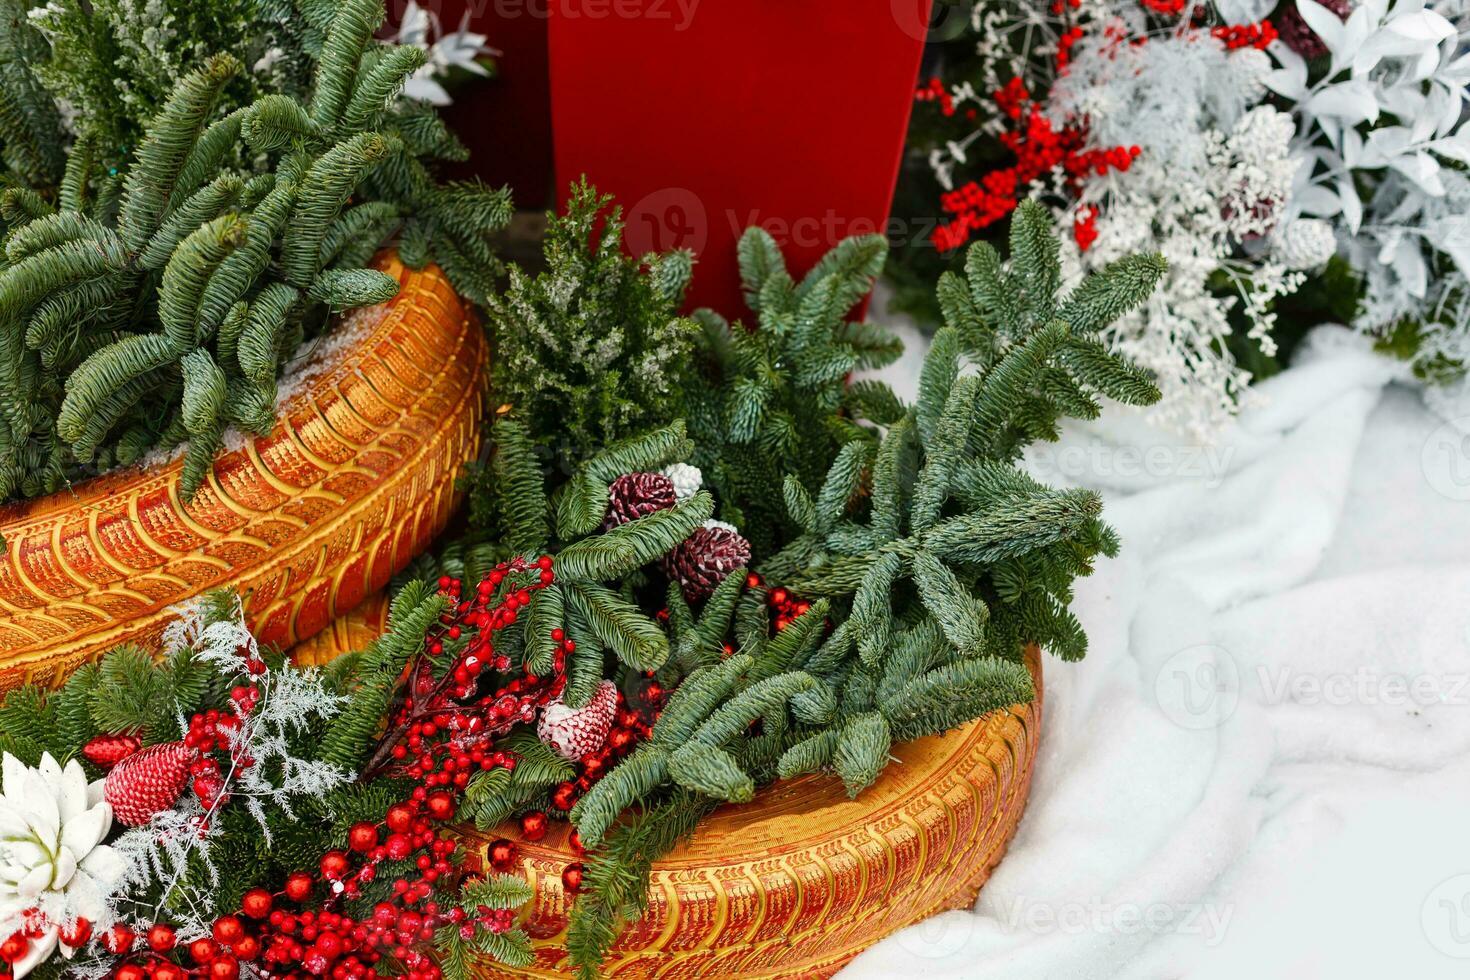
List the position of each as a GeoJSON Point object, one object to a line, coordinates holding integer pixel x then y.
{"type": "Point", "coordinates": [577, 732]}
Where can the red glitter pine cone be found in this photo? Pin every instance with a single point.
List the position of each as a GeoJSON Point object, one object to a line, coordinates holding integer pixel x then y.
{"type": "Point", "coordinates": [576, 732]}
{"type": "Point", "coordinates": [148, 782]}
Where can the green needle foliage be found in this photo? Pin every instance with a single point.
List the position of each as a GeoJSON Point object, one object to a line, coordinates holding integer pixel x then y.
{"type": "Point", "coordinates": [592, 349]}
{"type": "Point", "coordinates": [926, 559]}
{"type": "Point", "coordinates": [774, 397]}
{"type": "Point", "coordinates": [595, 597]}
{"type": "Point", "coordinates": [929, 559]}
{"type": "Point", "coordinates": [158, 309]}
{"type": "Point", "coordinates": [30, 125]}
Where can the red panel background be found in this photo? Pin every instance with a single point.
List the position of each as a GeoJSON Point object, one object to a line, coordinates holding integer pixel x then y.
{"type": "Point", "coordinates": [703, 116]}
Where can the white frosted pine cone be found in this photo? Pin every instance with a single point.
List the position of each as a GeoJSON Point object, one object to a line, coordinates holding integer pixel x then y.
{"type": "Point", "coordinates": [1305, 243]}
{"type": "Point", "coordinates": [687, 479]}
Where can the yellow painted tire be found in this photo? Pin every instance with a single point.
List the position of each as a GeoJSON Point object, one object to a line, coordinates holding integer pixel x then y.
{"type": "Point", "coordinates": [802, 879]}
{"type": "Point", "coordinates": [354, 480]}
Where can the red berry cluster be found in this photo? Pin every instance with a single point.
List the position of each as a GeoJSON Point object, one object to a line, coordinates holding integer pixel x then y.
{"type": "Point", "coordinates": [1169, 8]}
{"type": "Point", "coordinates": [1065, 44]}
{"type": "Point", "coordinates": [1084, 227]}
{"type": "Point", "coordinates": [210, 733]}
{"type": "Point", "coordinates": [314, 938]}
{"type": "Point", "coordinates": [1235, 36]}
{"type": "Point", "coordinates": [935, 91]}
{"type": "Point", "coordinates": [436, 739]}
{"type": "Point", "coordinates": [442, 732]}
{"type": "Point", "coordinates": [783, 603]}
{"type": "Point", "coordinates": [1039, 148]}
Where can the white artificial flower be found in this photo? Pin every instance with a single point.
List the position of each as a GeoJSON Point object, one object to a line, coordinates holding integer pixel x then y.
{"type": "Point", "coordinates": [445, 52]}
{"type": "Point", "coordinates": [54, 868]}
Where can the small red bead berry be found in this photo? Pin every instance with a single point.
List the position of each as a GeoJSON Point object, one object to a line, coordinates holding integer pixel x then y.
{"type": "Point", "coordinates": [298, 886]}
{"type": "Point", "coordinates": [227, 929]}
{"type": "Point", "coordinates": [256, 903]}
{"type": "Point", "coordinates": [400, 817]}
{"type": "Point", "coordinates": [571, 878]}
{"type": "Point", "coordinates": [15, 947]}
{"type": "Point", "coordinates": [119, 939]}
{"type": "Point", "coordinates": [334, 865]}
{"type": "Point", "coordinates": [440, 805]}
{"type": "Point", "coordinates": [161, 938]}
{"type": "Point", "coordinates": [502, 854]}
{"type": "Point", "coordinates": [362, 836]}
{"type": "Point", "coordinates": [533, 825]}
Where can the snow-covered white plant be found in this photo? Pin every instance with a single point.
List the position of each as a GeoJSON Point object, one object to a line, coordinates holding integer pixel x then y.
{"type": "Point", "coordinates": [1384, 130]}
{"type": "Point", "coordinates": [1209, 191]}
{"type": "Point", "coordinates": [57, 878]}
{"type": "Point", "coordinates": [263, 769]}
{"type": "Point", "coordinates": [461, 49]}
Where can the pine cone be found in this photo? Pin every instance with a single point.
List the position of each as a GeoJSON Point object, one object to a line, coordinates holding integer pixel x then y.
{"type": "Point", "coordinates": [148, 782]}
{"type": "Point", "coordinates": [1305, 243]}
{"type": "Point", "coordinates": [701, 561]}
{"type": "Point", "coordinates": [1302, 39]}
{"type": "Point", "coordinates": [687, 479]}
{"type": "Point", "coordinates": [107, 751]}
{"type": "Point", "coordinates": [635, 495]}
{"type": "Point", "coordinates": [576, 732]}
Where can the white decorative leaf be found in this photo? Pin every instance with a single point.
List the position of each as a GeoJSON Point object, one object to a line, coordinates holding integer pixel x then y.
{"type": "Point", "coordinates": [1352, 102]}
{"type": "Point", "coordinates": [1456, 147]}
{"type": "Point", "coordinates": [1425, 27]}
{"type": "Point", "coordinates": [1290, 80]}
{"type": "Point", "coordinates": [1318, 201]}
{"type": "Point", "coordinates": [1351, 204]}
{"type": "Point", "coordinates": [1422, 169]}
{"type": "Point", "coordinates": [1326, 25]}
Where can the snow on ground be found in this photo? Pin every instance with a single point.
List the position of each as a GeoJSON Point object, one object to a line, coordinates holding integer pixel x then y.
{"type": "Point", "coordinates": [1262, 768]}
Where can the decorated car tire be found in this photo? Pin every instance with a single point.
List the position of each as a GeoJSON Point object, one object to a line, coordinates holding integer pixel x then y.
{"type": "Point", "coordinates": [801, 879]}
{"type": "Point", "coordinates": [354, 480]}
